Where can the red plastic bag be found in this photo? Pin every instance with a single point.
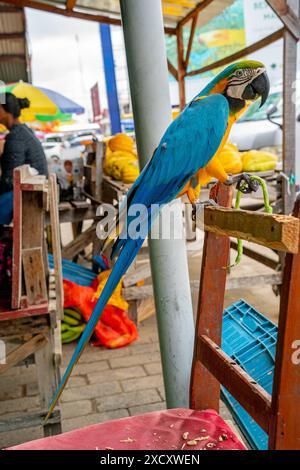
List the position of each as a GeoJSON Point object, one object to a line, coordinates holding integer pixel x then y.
{"type": "Point", "coordinates": [114, 329]}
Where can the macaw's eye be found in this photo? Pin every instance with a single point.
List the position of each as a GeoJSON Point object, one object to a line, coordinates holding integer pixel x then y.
{"type": "Point", "coordinates": [239, 73]}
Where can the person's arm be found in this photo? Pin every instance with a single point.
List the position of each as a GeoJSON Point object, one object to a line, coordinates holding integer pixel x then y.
{"type": "Point", "coordinates": [12, 157]}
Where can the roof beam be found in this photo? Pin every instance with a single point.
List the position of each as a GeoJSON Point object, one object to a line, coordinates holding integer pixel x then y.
{"type": "Point", "coordinates": [191, 40]}
{"type": "Point", "coordinates": [70, 4]}
{"type": "Point", "coordinates": [12, 35]}
{"type": "Point", "coordinates": [9, 9]}
{"type": "Point", "coordinates": [200, 7]}
{"type": "Point", "coordinates": [239, 55]}
{"type": "Point", "coordinates": [12, 58]}
{"type": "Point", "coordinates": [288, 17]}
{"type": "Point", "coordinates": [172, 70]}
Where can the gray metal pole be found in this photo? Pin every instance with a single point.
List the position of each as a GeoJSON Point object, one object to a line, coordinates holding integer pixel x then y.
{"type": "Point", "coordinates": [148, 76]}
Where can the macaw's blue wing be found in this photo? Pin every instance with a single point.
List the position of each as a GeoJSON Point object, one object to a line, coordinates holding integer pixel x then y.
{"type": "Point", "coordinates": [189, 143]}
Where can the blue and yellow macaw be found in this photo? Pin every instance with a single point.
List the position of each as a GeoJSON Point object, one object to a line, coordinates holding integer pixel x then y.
{"type": "Point", "coordinates": [187, 150]}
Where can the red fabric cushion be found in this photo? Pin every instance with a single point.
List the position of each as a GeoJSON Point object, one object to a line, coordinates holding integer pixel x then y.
{"type": "Point", "coordinates": [162, 430]}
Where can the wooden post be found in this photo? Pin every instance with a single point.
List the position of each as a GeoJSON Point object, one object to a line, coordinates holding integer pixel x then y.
{"type": "Point", "coordinates": [181, 68]}
{"type": "Point", "coordinates": [285, 421]}
{"type": "Point", "coordinates": [289, 119]}
{"type": "Point", "coordinates": [205, 389]}
{"type": "Point", "coordinates": [48, 379]}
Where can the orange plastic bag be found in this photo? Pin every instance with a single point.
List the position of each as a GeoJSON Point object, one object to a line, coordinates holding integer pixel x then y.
{"type": "Point", "coordinates": [114, 329]}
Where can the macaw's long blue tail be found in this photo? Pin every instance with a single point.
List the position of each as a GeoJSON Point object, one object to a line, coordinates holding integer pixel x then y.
{"type": "Point", "coordinates": [127, 254]}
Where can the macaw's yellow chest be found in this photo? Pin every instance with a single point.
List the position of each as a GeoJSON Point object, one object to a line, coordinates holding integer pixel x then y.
{"type": "Point", "coordinates": [214, 168]}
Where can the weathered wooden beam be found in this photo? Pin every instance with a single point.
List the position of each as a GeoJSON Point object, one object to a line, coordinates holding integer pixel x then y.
{"type": "Point", "coordinates": [200, 7]}
{"type": "Point", "coordinates": [253, 397]}
{"type": "Point", "coordinates": [82, 241]}
{"type": "Point", "coordinates": [191, 40]}
{"type": "Point", "coordinates": [172, 70]}
{"type": "Point", "coordinates": [12, 58]}
{"type": "Point", "coordinates": [239, 55]}
{"type": "Point", "coordinates": [12, 36]}
{"type": "Point", "coordinates": [181, 69]}
{"type": "Point", "coordinates": [137, 275]}
{"type": "Point", "coordinates": [21, 353]}
{"type": "Point", "coordinates": [278, 232]}
{"type": "Point", "coordinates": [287, 16]}
{"type": "Point", "coordinates": [71, 4]}
{"type": "Point", "coordinates": [145, 292]}
{"type": "Point", "coordinates": [9, 9]}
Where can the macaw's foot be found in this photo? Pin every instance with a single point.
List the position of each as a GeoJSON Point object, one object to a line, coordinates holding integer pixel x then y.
{"type": "Point", "coordinates": [198, 207]}
{"type": "Point", "coordinates": [244, 183]}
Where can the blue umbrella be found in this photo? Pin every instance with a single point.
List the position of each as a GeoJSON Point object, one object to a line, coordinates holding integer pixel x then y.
{"type": "Point", "coordinates": [65, 105]}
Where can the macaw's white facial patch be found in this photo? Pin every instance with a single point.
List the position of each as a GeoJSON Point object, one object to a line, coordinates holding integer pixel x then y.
{"type": "Point", "coordinates": [240, 79]}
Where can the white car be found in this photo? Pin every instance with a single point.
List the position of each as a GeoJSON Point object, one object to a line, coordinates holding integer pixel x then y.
{"type": "Point", "coordinates": [57, 147]}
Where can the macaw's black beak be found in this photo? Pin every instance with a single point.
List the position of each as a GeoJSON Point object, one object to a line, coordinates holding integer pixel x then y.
{"type": "Point", "coordinates": [260, 87]}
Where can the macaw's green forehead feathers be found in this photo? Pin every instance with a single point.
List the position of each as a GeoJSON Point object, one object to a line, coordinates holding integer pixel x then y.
{"type": "Point", "coordinates": [250, 65]}
{"type": "Point", "coordinates": [243, 64]}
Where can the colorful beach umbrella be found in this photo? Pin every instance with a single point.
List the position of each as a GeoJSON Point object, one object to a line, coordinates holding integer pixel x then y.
{"type": "Point", "coordinates": [43, 102]}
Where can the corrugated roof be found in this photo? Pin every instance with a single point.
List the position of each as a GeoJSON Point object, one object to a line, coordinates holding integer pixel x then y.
{"type": "Point", "coordinates": [13, 45]}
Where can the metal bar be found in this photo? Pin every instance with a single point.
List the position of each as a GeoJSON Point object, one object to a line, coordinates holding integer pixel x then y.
{"type": "Point", "coordinates": [110, 79]}
{"type": "Point", "coordinates": [148, 76]}
{"type": "Point", "coordinates": [239, 55]}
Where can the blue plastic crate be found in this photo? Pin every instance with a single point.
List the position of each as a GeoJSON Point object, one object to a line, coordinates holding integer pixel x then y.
{"type": "Point", "coordinates": [250, 339]}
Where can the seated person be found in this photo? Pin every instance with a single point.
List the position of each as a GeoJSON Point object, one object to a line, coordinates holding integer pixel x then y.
{"type": "Point", "coordinates": [21, 147]}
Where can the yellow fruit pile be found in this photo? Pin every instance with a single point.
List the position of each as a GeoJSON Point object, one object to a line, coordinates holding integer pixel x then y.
{"type": "Point", "coordinates": [235, 162]}
{"type": "Point", "coordinates": [121, 162]}
{"type": "Point", "coordinates": [259, 161]}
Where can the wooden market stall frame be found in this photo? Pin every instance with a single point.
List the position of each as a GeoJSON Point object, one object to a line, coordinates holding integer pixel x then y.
{"type": "Point", "coordinates": [30, 317]}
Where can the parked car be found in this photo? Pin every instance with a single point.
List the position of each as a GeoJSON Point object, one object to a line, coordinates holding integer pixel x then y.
{"type": "Point", "coordinates": [58, 147]}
